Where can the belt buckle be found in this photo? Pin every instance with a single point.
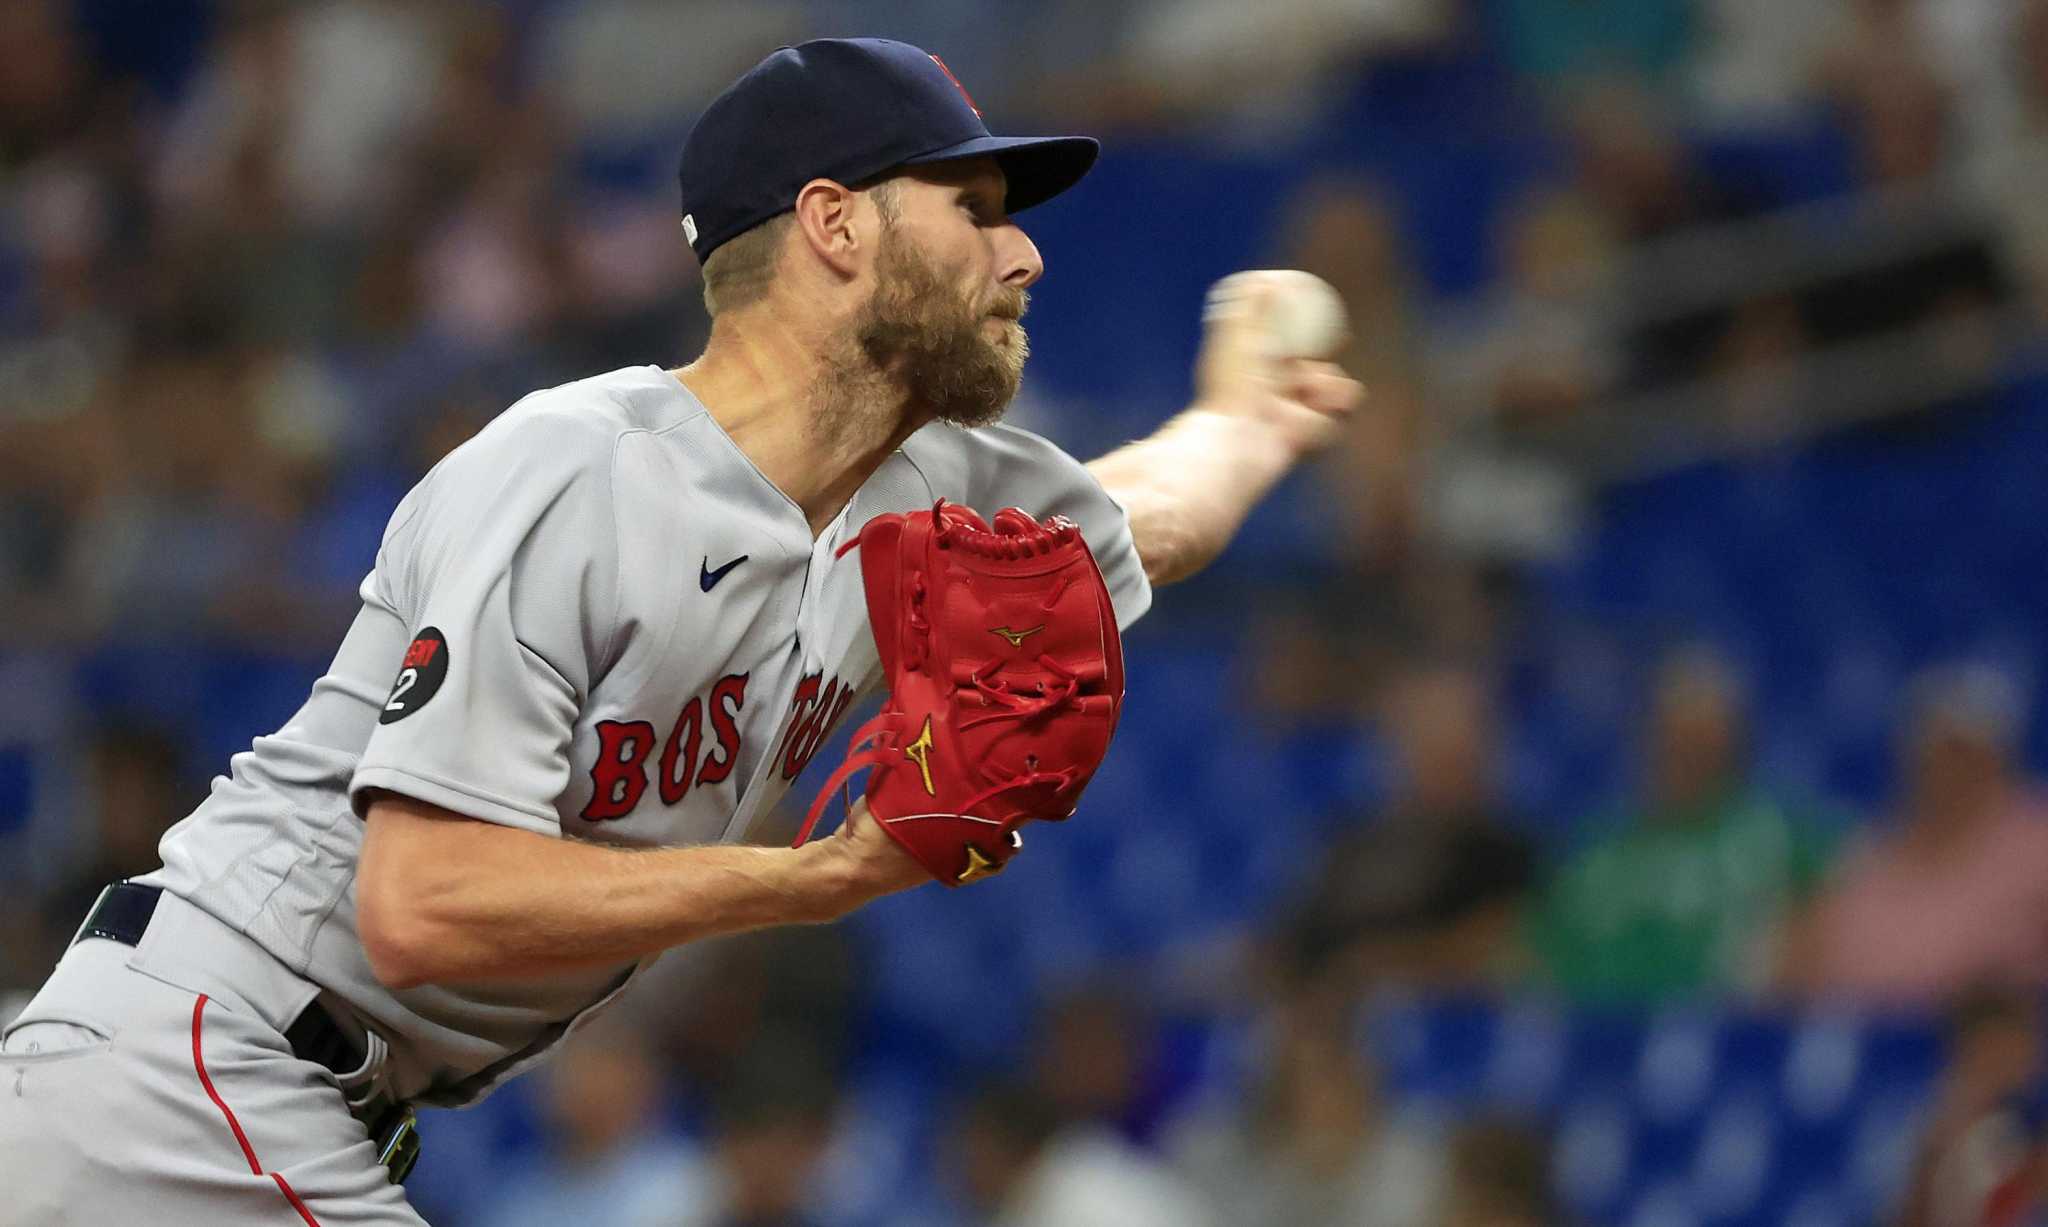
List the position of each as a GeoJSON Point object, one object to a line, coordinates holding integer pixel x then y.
{"type": "Point", "coordinates": [397, 1136]}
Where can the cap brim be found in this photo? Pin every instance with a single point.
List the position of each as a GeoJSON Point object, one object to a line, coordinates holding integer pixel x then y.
{"type": "Point", "coordinates": [1037, 168]}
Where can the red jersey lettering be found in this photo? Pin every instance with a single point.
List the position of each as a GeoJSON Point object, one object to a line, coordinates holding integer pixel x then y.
{"type": "Point", "coordinates": [683, 740]}
{"type": "Point", "coordinates": [619, 775]}
{"type": "Point", "coordinates": [727, 697]}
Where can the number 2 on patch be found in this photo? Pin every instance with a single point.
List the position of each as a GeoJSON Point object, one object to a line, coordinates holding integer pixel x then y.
{"type": "Point", "coordinates": [406, 680]}
{"type": "Point", "coordinates": [420, 675]}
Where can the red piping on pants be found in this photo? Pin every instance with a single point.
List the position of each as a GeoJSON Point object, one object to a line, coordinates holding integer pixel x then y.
{"type": "Point", "coordinates": [241, 1139]}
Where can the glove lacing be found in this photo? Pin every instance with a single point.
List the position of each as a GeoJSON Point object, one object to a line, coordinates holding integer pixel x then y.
{"type": "Point", "coordinates": [880, 734]}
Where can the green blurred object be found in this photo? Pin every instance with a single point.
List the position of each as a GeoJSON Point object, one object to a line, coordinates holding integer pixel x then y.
{"type": "Point", "coordinates": [1684, 902]}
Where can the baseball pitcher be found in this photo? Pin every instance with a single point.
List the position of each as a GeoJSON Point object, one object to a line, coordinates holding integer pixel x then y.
{"type": "Point", "coordinates": [602, 637]}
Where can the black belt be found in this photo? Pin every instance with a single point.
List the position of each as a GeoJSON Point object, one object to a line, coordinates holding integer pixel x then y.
{"type": "Point", "coordinates": [122, 915]}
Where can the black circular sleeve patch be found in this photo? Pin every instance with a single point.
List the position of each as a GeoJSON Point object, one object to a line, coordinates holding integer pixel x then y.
{"type": "Point", "coordinates": [425, 665]}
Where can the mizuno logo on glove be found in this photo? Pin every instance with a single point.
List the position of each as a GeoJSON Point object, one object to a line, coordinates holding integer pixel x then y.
{"type": "Point", "coordinates": [978, 866]}
{"type": "Point", "coordinates": [920, 752]}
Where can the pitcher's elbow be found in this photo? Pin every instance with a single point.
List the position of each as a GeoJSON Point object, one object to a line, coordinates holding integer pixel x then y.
{"type": "Point", "coordinates": [395, 941]}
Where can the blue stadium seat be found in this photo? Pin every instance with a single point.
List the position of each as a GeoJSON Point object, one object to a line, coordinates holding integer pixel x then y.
{"type": "Point", "coordinates": [1707, 1114]}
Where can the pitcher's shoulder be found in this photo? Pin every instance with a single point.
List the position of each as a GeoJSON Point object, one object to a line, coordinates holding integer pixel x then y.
{"type": "Point", "coordinates": [634, 398]}
{"type": "Point", "coordinates": [575, 426]}
{"type": "Point", "coordinates": [953, 457]}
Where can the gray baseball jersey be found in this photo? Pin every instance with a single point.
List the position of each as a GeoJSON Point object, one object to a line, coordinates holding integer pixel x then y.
{"type": "Point", "coordinates": [604, 624]}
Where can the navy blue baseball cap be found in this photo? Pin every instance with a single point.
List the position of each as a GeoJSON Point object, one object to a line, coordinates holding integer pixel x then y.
{"type": "Point", "coordinates": [847, 109]}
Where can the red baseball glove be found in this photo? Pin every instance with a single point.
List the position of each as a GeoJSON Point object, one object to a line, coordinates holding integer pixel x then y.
{"type": "Point", "coordinates": [1006, 676]}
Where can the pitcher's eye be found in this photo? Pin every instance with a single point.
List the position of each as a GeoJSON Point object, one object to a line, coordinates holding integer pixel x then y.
{"type": "Point", "coordinates": [981, 209]}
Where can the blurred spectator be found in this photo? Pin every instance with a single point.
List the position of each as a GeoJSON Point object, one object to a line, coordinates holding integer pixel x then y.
{"type": "Point", "coordinates": [134, 786]}
{"type": "Point", "coordinates": [1934, 257]}
{"type": "Point", "coordinates": [1516, 376]}
{"type": "Point", "coordinates": [706, 1002]}
{"type": "Point", "coordinates": [1540, 350]}
{"type": "Point", "coordinates": [1202, 57]}
{"type": "Point", "coordinates": [1872, 39]}
{"type": "Point", "coordinates": [1000, 1130]}
{"type": "Point", "coordinates": [1900, 118]}
{"type": "Point", "coordinates": [49, 473]}
{"type": "Point", "coordinates": [49, 84]}
{"type": "Point", "coordinates": [1017, 1165]}
{"type": "Point", "coordinates": [771, 1116]}
{"type": "Point", "coordinates": [1499, 1176]}
{"type": "Point", "coordinates": [1643, 182]}
{"type": "Point", "coordinates": [1984, 1156]}
{"type": "Point", "coordinates": [1559, 41]}
{"type": "Point", "coordinates": [1307, 660]}
{"type": "Point", "coordinates": [2010, 157]}
{"type": "Point", "coordinates": [2027, 64]}
{"type": "Point", "coordinates": [1311, 1140]}
{"type": "Point", "coordinates": [1430, 893]}
{"type": "Point", "coordinates": [327, 92]}
{"type": "Point", "coordinates": [1753, 63]}
{"type": "Point", "coordinates": [193, 531]}
{"type": "Point", "coordinates": [1443, 724]}
{"type": "Point", "coordinates": [1345, 231]}
{"type": "Point", "coordinates": [622, 70]}
{"type": "Point", "coordinates": [1758, 368]}
{"type": "Point", "coordinates": [1956, 51]}
{"type": "Point", "coordinates": [1091, 1059]}
{"type": "Point", "coordinates": [495, 269]}
{"type": "Point", "coordinates": [1322, 654]}
{"type": "Point", "coordinates": [1681, 893]}
{"type": "Point", "coordinates": [1068, 1145]}
{"type": "Point", "coordinates": [1955, 894]}
{"type": "Point", "coordinates": [1399, 594]}
{"type": "Point", "coordinates": [607, 1151]}
{"type": "Point", "coordinates": [1629, 159]}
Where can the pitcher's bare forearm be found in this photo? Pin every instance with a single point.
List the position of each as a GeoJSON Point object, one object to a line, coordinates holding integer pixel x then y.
{"type": "Point", "coordinates": [442, 897]}
{"type": "Point", "coordinates": [1188, 486]}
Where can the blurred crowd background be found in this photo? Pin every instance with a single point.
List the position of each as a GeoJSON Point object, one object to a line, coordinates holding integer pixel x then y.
{"type": "Point", "coordinates": [1602, 791]}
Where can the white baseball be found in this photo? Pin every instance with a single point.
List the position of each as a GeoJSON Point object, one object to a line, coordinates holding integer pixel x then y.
{"type": "Point", "coordinates": [1305, 317]}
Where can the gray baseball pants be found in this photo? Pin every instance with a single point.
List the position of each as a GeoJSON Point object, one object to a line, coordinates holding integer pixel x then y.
{"type": "Point", "coordinates": [153, 1084]}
